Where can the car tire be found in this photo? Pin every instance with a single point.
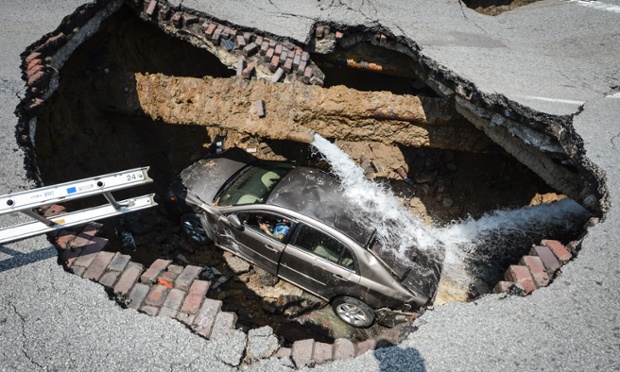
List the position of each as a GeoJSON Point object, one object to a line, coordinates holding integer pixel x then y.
{"type": "Point", "coordinates": [353, 311]}
{"type": "Point", "coordinates": [194, 229]}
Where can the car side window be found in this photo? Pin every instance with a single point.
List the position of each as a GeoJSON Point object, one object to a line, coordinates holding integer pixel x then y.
{"type": "Point", "coordinates": [324, 246]}
{"type": "Point", "coordinates": [267, 224]}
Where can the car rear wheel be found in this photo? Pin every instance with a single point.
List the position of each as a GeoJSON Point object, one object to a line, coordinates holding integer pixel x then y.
{"type": "Point", "coordinates": [353, 311]}
{"type": "Point", "coordinates": [192, 227]}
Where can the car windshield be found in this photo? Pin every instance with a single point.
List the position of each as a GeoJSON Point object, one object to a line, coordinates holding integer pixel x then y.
{"type": "Point", "coordinates": [254, 184]}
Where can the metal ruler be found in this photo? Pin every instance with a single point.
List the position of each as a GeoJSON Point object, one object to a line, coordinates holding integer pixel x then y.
{"type": "Point", "coordinates": [25, 202]}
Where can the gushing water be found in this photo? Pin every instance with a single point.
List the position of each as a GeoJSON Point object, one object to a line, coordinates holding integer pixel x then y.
{"type": "Point", "coordinates": [487, 238]}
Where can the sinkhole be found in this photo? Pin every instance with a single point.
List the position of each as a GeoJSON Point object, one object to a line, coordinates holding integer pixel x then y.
{"type": "Point", "coordinates": [126, 86]}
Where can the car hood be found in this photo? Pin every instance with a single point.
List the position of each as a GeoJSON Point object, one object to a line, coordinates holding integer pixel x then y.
{"type": "Point", "coordinates": [205, 178]}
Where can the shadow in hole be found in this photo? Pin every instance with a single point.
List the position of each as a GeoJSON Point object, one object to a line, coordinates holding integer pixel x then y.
{"type": "Point", "coordinates": [394, 358]}
{"type": "Point", "coordinates": [19, 259]}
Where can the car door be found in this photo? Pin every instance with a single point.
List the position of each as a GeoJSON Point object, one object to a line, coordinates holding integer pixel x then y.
{"type": "Point", "coordinates": [254, 244]}
{"type": "Point", "coordinates": [319, 263]}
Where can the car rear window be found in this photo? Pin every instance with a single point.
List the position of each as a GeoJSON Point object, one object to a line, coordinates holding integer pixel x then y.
{"type": "Point", "coordinates": [254, 184]}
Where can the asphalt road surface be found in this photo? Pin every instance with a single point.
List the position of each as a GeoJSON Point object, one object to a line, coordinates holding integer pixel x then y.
{"type": "Point", "coordinates": [559, 57]}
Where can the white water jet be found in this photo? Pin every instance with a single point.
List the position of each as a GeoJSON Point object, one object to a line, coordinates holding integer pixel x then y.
{"type": "Point", "coordinates": [456, 242]}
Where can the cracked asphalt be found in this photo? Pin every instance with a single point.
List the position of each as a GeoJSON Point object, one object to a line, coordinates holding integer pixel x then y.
{"type": "Point", "coordinates": [557, 57]}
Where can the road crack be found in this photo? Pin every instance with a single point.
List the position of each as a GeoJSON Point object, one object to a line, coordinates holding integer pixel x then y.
{"type": "Point", "coordinates": [23, 333]}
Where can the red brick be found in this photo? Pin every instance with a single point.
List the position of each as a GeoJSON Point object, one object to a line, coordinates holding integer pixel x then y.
{"type": "Point", "coordinates": [537, 269]}
{"type": "Point", "coordinates": [34, 79]}
{"type": "Point", "coordinates": [224, 323]}
{"type": "Point", "coordinates": [108, 279]}
{"type": "Point", "coordinates": [559, 250]}
{"type": "Point", "coordinates": [157, 295]}
{"type": "Point", "coordinates": [34, 70]}
{"type": "Point", "coordinates": [166, 311]}
{"type": "Point", "coordinates": [54, 210]}
{"type": "Point", "coordinates": [177, 19]}
{"type": "Point", "coordinates": [195, 296]}
{"type": "Point", "coordinates": [241, 41]}
{"type": "Point", "coordinates": [339, 34]}
{"type": "Point", "coordinates": [98, 266]}
{"type": "Point", "coordinates": [301, 352]}
{"type": "Point", "coordinates": [259, 40]}
{"type": "Point", "coordinates": [156, 268]}
{"type": "Point", "coordinates": [275, 62]}
{"type": "Point", "coordinates": [186, 278]}
{"type": "Point", "coordinates": [151, 7]}
{"type": "Point", "coordinates": [502, 287]}
{"type": "Point", "coordinates": [89, 252]}
{"type": "Point", "coordinates": [81, 240]}
{"type": "Point", "coordinates": [283, 56]}
{"type": "Point", "coordinates": [288, 65]}
{"type": "Point", "coordinates": [343, 349]}
{"type": "Point", "coordinates": [167, 279]}
{"type": "Point", "coordinates": [137, 295]}
{"type": "Point", "coordinates": [260, 108]}
{"type": "Point", "coordinates": [34, 62]}
{"type": "Point", "coordinates": [250, 49]}
{"type": "Point", "coordinates": [216, 35]}
{"type": "Point", "coordinates": [278, 50]}
{"type": "Point", "coordinates": [78, 270]}
{"type": "Point", "coordinates": [128, 278]}
{"type": "Point", "coordinates": [307, 74]}
{"type": "Point", "coordinates": [205, 319]}
{"type": "Point", "coordinates": [269, 55]}
{"type": "Point", "coordinates": [32, 56]}
{"type": "Point", "coordinates": [322, 352]}
{"type": "Point", "coordinates": [175, 269]}
{"type": "Point", "coordinates": [272, 43]}
{"type": "Point", "coordinates": [64, 239]}
{"type": "Point", "coordinates": [247, 37]}
{"type": "Point", "coordinates": [91, 229]}
{"type": "Point", "coordinates": [318, 32]}
{"type": "Point", "coordinates": [302, 67]}
{"type": "Point", "coordinates": [296, 61]}
{"type": "Point", "coordinates": [248, 72]}
{"type": "Point", "coordinates": [521, 275]}
{"type": "Point", "coordinates": [547, 257]}
{"type": "Point", "coordinates": [119, 262]}
{"type": "Point", "coordinates": [209, 31]}
{"type": "Point", "coordinates": [174, 299]}
{"type": "Point", "coordinates": [69, 256]}
{"type": "Point", "coordinates": [364, 346]}
{"type": "Point", "coordinates": [240, 67]}
{"type": "Point", "coordinates": [35, 102]}
{"type": "Point", "coordinates": [264, 47]}
{"type": "Point", "coordinates": [305, 56]}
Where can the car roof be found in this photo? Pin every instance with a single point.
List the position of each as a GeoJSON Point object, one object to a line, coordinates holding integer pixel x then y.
{"type": "Point", "coordinates": [317, 194]}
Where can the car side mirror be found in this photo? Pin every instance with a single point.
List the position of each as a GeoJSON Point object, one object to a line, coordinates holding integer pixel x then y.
{"type": "Point", "coordinates": [234, 221]}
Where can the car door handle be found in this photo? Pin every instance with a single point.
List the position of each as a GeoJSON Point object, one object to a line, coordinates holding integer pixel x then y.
{"type": "Point", "coordinates": [271, 248]}
{"type": "Point", "coordinates": [339, 277]}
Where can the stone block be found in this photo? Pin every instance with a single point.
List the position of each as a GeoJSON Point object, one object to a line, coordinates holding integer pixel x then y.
{"type": "Point", "coordinates": [224, 322]}
{"type": "Point", "coordinates": [262, 343]}
{"type": "Point", "coordinates": [343, 349]}
{"type": "Point", "coordinates": [322, 352]}
{"type": "Point", "coordinates": [301, 352]}
{"type": "Point", "coordinates": [98, 266]}
{"type": "Point", "coordinates": [283, 352]}
{"type": "Point", "coordinates": [559, 250]}
{"type": "Point", "coordinates": [278, 75]}
{"type": "Point", "coordinates": [205, 319]}
{"type": "Point", "coordinates": [503, 286]}
{"type": "Point", "coordinates": [364, 346]}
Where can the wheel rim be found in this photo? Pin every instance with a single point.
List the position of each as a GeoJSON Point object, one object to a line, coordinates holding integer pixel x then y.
{"type": "Point", "coordinates": [194, 231]}
{"type": "Point", "coordinates": [352, 314]}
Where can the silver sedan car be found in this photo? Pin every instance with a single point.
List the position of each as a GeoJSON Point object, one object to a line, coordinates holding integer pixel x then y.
{"type": "Point", "coordinates": [294, 222]}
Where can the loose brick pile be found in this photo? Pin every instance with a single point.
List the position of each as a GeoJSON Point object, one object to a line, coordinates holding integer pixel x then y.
{"type": "Point", "coordinates": [536, 269]}
{"type": "Point", "coordinates": [165, 289]}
